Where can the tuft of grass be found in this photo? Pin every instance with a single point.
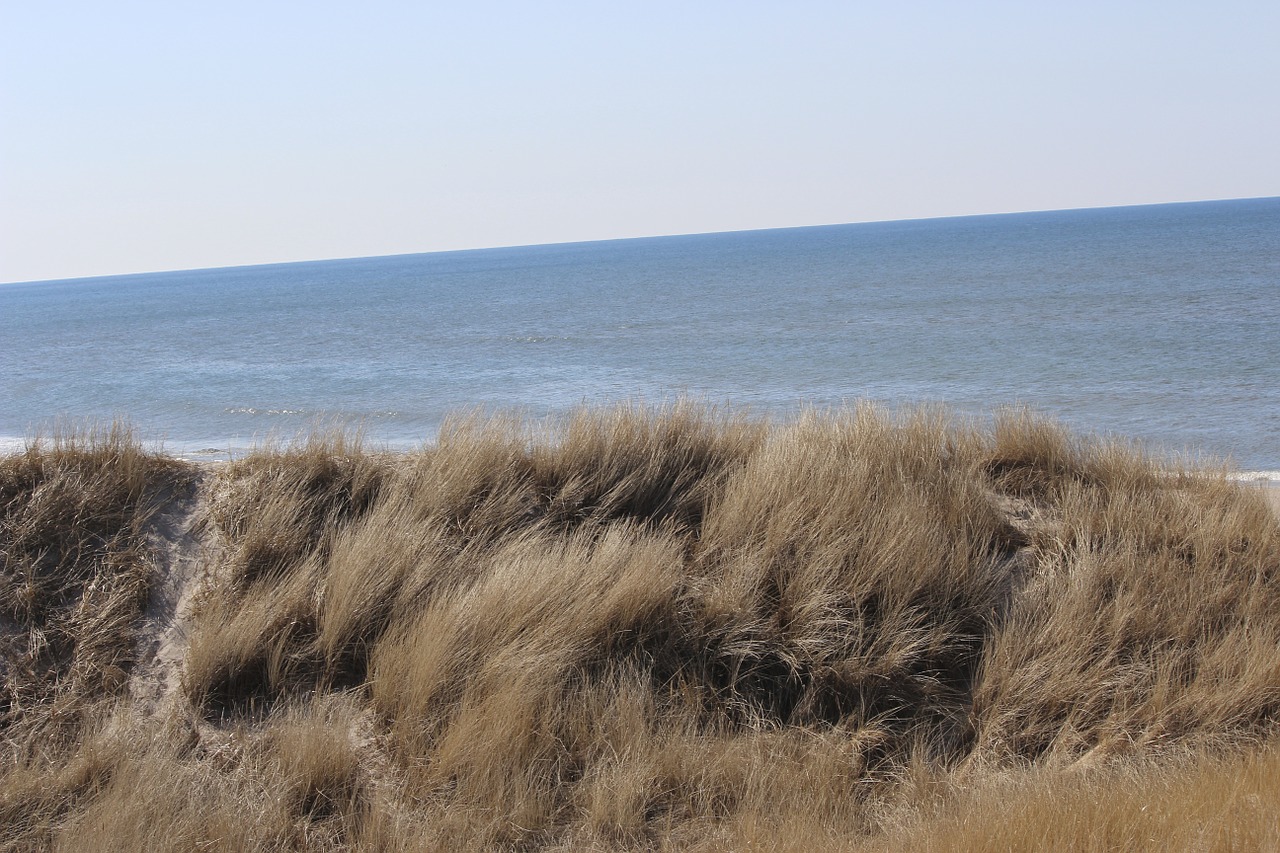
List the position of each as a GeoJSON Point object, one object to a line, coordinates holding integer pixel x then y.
{"type": "Point", "coordinates": [656, 467]}
{"type": "Point", "coordinates": [297, 783]}
{"type": "Point", "coordinates": [849, 575]}
{"type": "Point", "coordinates": [284, 501]}
{"type": "Point", "coordinates": [1151, 621]}
{"type": "Point", "coordinates": [1192, 802]}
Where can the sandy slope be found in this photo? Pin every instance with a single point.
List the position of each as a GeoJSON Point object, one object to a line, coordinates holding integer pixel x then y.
{"type": "Point", "coordinates": [177, 536]}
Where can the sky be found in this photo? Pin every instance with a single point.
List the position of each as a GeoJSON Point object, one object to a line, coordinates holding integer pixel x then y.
{"type": "Point", "coordinates": [150, 136]}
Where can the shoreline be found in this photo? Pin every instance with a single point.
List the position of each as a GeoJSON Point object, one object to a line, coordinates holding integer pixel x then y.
{"type": "Point", "coordinates": [182, 451]}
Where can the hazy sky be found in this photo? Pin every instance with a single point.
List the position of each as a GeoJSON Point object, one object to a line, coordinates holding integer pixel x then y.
{"type": "Point", "coordinates": [147, 136]}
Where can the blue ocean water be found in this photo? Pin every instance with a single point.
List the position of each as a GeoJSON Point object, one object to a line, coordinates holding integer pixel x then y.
{"type": "Point", "coordinates": [1157, 322]}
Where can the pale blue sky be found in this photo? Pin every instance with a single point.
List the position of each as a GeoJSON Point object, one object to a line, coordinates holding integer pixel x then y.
{"type": "Point", "coordinates": [149, 136]}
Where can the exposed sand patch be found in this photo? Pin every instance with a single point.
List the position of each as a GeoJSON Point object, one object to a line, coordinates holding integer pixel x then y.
{"type": "Point", "coordinates": [1272, 492]}
{"type": "Point", "coordinates": [177, 539]}
{"type": "Point", "coordinates": [1268, 488]}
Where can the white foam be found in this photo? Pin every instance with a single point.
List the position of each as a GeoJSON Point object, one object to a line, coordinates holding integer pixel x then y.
{"type": "Point", "coordinates": [12, 444]}
{"type": "Point", "coordinates": [1270, 477]}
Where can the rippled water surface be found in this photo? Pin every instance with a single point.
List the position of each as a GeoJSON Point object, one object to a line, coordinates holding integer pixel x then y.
{"type": "Point", "coordinates": [1158, 322]}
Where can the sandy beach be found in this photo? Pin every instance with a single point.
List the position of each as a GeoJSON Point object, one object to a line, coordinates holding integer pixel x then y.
{"type": "Point", "coordinates": [1272, 491]}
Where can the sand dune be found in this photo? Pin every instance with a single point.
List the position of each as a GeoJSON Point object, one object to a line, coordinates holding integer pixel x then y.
{"type": "Point", "coordinates": [641, 630]}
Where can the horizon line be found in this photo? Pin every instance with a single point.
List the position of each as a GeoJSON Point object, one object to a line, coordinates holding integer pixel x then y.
{"type": "Point", "coordinates": [240, 266]}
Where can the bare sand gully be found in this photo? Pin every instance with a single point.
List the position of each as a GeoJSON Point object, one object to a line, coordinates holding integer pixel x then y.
{"type": "Point", "coordinates": [184, 552]}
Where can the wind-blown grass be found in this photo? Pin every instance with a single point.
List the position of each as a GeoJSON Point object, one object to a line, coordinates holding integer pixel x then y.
{"type": "Point", "coordinates": [653, 629]}
{"type": "Point", "coordinates": [74, 573]}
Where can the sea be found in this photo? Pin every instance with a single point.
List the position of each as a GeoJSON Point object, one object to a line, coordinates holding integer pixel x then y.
{"type": "Point", "coordinates": [1159, 323]}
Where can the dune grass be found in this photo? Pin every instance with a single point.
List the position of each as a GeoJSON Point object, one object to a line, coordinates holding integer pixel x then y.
{"type": "Point", "coordinates": [651, 629]}
{"type": "Point", "coordinates": [74, 574]}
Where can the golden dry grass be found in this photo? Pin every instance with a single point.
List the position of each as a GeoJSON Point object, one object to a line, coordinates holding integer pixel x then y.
{"type": "Point", "coordinates": [1200, 803]}
{"type": "Point", "coordinates": [656, 629]}
{"type": "Point", "coordinates": [74, 573]}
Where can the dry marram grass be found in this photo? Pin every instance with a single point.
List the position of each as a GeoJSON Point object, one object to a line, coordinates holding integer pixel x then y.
{"type": "Point", "coordinates": [649, 629]}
